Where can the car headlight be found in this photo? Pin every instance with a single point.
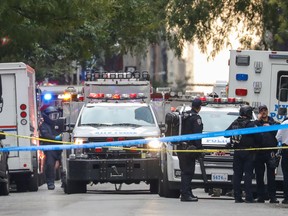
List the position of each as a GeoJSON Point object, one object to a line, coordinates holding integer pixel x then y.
{"type": "Point", "coordinates": [80, 141]}
{"type": "Point", "coordinates": [154, 143]}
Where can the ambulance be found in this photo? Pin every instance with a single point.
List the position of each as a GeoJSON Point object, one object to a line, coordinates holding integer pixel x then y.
{"type": "Point", "coordinates": [19, 121]}
{"type": "Point", "coordinates": [261, 78]}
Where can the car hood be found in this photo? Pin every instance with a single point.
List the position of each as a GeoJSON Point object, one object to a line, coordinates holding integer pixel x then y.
{"type": "Point", "coordinates": [86, 131]}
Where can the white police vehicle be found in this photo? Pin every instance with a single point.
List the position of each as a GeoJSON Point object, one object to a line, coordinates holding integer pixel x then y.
{"type": "Point", "coordinates": [214, 170]}
{"type": "Point", "coordinates": [116, 115]}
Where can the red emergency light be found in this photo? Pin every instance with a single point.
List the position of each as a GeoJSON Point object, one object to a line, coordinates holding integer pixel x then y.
{"type": "Point", "coordinates": [98, 150]}
{"type": "Point", "coordinates": [241, 92]}
{"type": "Point", "coordinates": [109, 139]}
{"type": "Point", "coordinates": [231, 100]}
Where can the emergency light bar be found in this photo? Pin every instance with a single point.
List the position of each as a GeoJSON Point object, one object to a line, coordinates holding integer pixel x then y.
{"type": "Point", "coordinates": [95, 75]}
{"type": "Point", "coordinates": [210, 100]}
{"type": "Point", "coordinates": [129, 96]}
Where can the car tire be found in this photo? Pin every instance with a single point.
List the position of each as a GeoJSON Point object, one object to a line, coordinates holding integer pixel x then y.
{"type": "Point", "coordinates": [163, 188]}
{"type": "Point", "coordinates": [5, 186]}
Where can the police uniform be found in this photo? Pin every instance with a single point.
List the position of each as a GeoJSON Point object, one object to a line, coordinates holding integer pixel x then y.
{"type": "Point", "coordinates": [193, 124]}
{"type": "Point", "coordinates": [243, 161]}
{"type": "Point", "coordinates": [282, 136]}
{"type": "Point", "coordinates": [262, 160]}
{"type": "Point", "coordinates": [47, 131]}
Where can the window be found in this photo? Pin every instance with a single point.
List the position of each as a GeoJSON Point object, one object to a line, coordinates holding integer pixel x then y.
{"type": "Point", "coordinates": [282, 86]}
{"type": "Point", "coordinates": [141, 116]}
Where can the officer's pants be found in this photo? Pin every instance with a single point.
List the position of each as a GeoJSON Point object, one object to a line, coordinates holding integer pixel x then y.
{"type": "Point", "coordinates": [284, 166]}
{"type": "Point", "coordinates": [243, 163]}
{"type": "Point", "coordinates": [261, 162]}
{"type": "Point", "coordinates": [187, 166]}
{"type": "Point", "coordinates": [50, 161]}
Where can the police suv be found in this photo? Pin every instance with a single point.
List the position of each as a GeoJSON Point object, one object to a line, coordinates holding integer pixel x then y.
{"type": "Point", "coordinates": [214, 170]}
{"type": "Point", "coordinates": [122, 117]}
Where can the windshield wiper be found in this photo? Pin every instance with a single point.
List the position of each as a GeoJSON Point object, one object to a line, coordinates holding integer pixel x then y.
{"type": "Point", "coordinates": [127, 124]}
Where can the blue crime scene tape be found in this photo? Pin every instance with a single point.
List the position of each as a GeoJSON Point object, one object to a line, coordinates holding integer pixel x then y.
{"type": "Point", "coordinates": [226, 133]}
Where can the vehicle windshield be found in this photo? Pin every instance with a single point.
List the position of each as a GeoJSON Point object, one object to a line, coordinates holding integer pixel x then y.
{"type": "Point", "coordinates": [217, 120]}
{"type": "Point", "coordinates": [117, 116]}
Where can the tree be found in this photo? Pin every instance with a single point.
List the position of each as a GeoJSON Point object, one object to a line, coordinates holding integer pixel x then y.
{"type": "Point", "coordinates": [211, 22]}
{"type": "Point", "coordinates": [49, 34]}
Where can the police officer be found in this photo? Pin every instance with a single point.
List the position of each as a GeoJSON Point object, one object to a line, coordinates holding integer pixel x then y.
{"type": "Point", "coordinates": [193, 124]}
{"type": "Point", "coordinates": [263, 157]}
{"type": "Point", "coordinates": [48, 131]}
{"type": "Point", "coordinates": [282, 136]}
{"type": "Point", "coordinates": [243, 161]}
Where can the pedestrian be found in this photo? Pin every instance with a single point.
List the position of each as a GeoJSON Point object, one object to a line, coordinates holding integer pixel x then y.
{"type": "Point", "coordinates": [191, 125]}
{"type": "Point", "coordinates": [48, 130]}
{"type": "Point", "coordinates": [263, 157]}
{"type": "Point", "coordinates": [243, 160]}
{"type": "Point", "coordinates": [282, 136]}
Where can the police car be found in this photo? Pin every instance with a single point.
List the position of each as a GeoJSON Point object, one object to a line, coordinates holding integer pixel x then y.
{"type": "Point", "coordinates": [214, 170]}
{"type": "Point", "coordinates": [109, 120]}
{"type": "Point", "coordinates": [4, 174]}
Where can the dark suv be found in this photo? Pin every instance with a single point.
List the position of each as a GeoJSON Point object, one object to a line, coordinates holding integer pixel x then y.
{"type": "Point", "coordinates": [4, 174]}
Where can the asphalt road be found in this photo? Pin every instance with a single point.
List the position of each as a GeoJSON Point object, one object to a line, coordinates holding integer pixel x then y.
{"type": "Point", "coordinates": [130, 200]}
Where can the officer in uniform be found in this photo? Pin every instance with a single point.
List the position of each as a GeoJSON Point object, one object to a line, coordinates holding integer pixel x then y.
{"type": "Point", "coordinates": [193, 124]}
{"type": "Point", "coordinates": [48, 131]}
{"type": "Point", "coordinates": [263, 157]}
{"type": "Point", "coordinates": [282, 136]}
{"type": "Point", "coordinates": [243, 161]}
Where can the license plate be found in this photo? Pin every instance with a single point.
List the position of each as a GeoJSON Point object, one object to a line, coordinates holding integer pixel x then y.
{"type": "Point", "coordinates": [113, 148]}
{"type": "Point", "coordinates": [219, 177]}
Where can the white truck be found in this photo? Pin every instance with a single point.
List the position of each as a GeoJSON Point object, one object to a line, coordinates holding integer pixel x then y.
{"type": "Point", "coordinates": [19, 117]}
{"type": "Point", "coordinates": [117, 108]}
{"type": "Point", "coordinates": [260, 77]}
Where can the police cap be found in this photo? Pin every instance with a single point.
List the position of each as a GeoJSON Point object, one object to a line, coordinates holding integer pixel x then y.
{"type": "Point", "coordinates": [196, 102]}
{"type": "Point", "coordinates": [262, 107]}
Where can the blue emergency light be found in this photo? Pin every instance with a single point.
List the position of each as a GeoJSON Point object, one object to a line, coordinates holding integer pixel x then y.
{"type": "Point", "coordinates": [47, 96]}
{"type": "Point", "coordinates": [241, 77]}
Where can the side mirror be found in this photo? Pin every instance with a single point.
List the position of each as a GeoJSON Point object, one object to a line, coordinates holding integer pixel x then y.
{"type": "Point", "coordinates": [282, 111]}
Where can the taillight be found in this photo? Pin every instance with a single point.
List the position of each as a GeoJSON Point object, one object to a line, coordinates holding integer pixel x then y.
{"type": "Point", "coordinates": [23, 114]}
{"type": "Point", "coordinates": [23, 106]}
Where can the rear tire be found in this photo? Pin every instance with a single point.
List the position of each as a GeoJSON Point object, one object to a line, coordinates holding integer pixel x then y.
{"type": "Point", "coordinates": [5, 186]}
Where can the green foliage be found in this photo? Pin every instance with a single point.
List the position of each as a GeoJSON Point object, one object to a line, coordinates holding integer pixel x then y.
{"type": "Point", "coordinates": [50, 34]}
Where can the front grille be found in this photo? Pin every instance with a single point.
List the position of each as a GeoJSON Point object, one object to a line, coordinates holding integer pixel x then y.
{"type": "Point", "coordinates": [113, 153]}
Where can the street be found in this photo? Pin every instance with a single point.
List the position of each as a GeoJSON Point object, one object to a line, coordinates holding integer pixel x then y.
{"type": "Point", "coordinates": [130, 200]}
